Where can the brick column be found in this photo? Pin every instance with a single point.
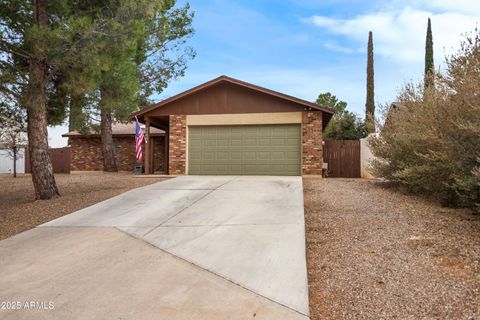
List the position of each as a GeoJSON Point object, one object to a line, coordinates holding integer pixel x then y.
{"type": "Point", "coordinates": [177, 151]}
{"type": "Point", "coordinates": [312, 137]}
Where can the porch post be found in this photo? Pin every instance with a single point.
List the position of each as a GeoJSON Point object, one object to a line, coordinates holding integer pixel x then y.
{"type": "Point", "coordinates": [146, 161]}
{"type": "Point", "coordinates": [152, 155]}
{"type": "Point", "coordinates": [165, 152]}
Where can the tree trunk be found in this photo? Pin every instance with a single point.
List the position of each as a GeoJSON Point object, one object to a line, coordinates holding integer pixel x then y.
{"type": "Point", "coordinates": [15, 160]}
{"type": "Point", "coordinates": [109, 162]}
{"type": "Point", "coordinates": [40, 162]}
{"type": "Point", "coordinates": [75, 121]}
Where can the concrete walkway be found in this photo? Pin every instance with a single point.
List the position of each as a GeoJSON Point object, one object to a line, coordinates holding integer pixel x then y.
{"type": "Point", "coordinates": [232, 247]}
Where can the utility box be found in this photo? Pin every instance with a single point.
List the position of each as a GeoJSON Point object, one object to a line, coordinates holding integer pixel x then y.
{"type": "Point", "coordinates": [325, 169]}
{"type": "Point", "coordinates": [138, 169]}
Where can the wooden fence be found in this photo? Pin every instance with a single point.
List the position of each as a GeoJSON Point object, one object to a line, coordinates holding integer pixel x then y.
{"type": "Point", "coordinates": [343, 158]}
{"type": "Point", "coordinates": [60, 160]}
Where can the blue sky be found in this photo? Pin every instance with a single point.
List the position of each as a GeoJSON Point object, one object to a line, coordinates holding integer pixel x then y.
{"type": "Point", "coordinates": [306, 47]}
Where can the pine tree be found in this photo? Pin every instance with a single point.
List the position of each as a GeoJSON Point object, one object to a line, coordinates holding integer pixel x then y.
{"type": "Point", "coordinates": [344, 125]}
{"type": "Point", "coordinates": [90, 58]}
{"type": "Point", "coordinates": [429, 66]}
{"type": "Point", "coordinates": [370, 101]}
{"type": "Point", "coordinates": [137, 47]}
{"type": "Point", "coordinates": [26, 46]}
{"type": "Point", "coordinates": [163, 56]}
{"type": "Point", "coordinates": [117, 80]}
{"type": "Point", "coordinates": [329, 100]}
{"type": "Point", "coordinates": [40, 40]}
{"type": "Point", "coordinates": [142, 52]}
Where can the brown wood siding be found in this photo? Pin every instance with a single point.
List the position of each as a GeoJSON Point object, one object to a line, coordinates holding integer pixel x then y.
{"type": "Point", "coordinates": [343, 158]}
{"type": "Point", "coordinates": [225, 98]}
{"type": "Point", "coordinates": [60, 160]}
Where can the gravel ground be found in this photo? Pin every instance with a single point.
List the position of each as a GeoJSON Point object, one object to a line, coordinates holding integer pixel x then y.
{"type": "Point", "coordinates": [19, 211]}
{"type": "Point", "coordinates": [375, 253]}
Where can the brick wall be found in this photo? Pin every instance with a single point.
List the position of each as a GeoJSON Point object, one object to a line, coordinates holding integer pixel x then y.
{"type": "Point", "coordinates": [177, 150]}
{"type": "Point", "coordinates": [86, 153]}
{"type": "Point", "coordinates": [158, 154]}
{"type": "Point", "coordinates": [312, 153]}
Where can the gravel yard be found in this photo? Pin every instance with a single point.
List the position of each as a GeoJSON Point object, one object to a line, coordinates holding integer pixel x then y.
{"type": "Point", "coordinates": [19, 211]}
{"type": "Point", "coordinates": [375, 253]}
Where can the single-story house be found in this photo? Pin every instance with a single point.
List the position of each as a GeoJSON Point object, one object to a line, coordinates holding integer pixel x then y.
{"type": "Point", "coordinates": [230, 127]}
{"type": "Point", "coordinates": [86, 149]}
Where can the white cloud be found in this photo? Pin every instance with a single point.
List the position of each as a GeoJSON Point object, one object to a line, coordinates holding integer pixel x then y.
{"type": "Point", "coordinates": [399, 34]}
{"type": "Point", "coordinates": [55, 139]}
{"type": "Point", "coordinates": [334, 46]}
{"type": "Point", "coordinates": [469, 7]}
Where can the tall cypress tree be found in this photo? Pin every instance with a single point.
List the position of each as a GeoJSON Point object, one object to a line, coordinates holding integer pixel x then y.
{"type": "Point", "coordinates": [429, 66]}
{"type": "Point", "coordinates": [370, 103]}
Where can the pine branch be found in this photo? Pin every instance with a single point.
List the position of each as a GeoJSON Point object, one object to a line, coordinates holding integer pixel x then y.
{"type": "Point", "coordinates": [12, 49]}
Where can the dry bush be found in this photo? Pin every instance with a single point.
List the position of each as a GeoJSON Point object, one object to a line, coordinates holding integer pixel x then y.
{"type": "Point", "coordinates": [430, 141]}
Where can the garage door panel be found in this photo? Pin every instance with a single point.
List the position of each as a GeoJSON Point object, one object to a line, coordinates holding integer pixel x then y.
{"type": "Point", "coordinates": [291, 142]}
{"type": "Point", "coordinates": [236, 142]}
{"type": "Point", "coordinates": [280, 132]}
{"type": "Point", "coordinates": [278, 155]}
{"type": "Point", "coordinates": [251, 130]}
{"type": "Point", "coordinates": [277, 142]}
{"type": "Point", "coordinates": [234, 130]}
{"type": "Point", "coordinates": [223, 143]}
{"type": "Point", "coordinates": [244, 150]}
{"type": "Point", "coordinates": [195, 135]}
{"type": "Point", "coordinates": [236, 156]}
{"type": "Point", "coordinates": [263, 142]}
{"type": "Point", "coordinates": [219, 156]}
{"type": "Point", "coordinates": [249, 155]}
{"type": "Point", "coordinates": [262, 155]}
{"type": "Point", "coordinates": [195, 155]}
{"type": "Point", "coordinates": [237, 169]}
{"type": "Point", "coordinates": [291, 156]}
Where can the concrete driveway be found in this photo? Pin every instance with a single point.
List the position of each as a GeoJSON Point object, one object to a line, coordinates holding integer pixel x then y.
{"type": "Point", "coordinates": [193, 247]}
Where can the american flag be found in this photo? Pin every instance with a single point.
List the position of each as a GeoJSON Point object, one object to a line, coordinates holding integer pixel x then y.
{"type": "Point", "coordinates": [139, 138]}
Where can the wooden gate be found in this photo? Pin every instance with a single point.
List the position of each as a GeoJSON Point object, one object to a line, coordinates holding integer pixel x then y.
{"type": "Point", "coordinates": [60, 160]}
{"type": "Point", "coordinates": [343, 158]}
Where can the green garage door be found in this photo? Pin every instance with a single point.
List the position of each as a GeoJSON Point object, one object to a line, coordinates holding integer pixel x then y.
{"type": "Point", "coordinates": [244, 150]}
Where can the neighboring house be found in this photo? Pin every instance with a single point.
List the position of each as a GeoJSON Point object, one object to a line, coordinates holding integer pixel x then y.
{"type": "Point", "coordinates": [230, 127]}
{"type": "Point", "coordinates": [86, 149]}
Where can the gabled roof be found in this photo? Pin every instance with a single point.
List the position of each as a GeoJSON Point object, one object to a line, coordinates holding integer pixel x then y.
{"type": "Point", "coordinates": [244, 84]}
{"type": "Point", "coordinates": [118, 129]}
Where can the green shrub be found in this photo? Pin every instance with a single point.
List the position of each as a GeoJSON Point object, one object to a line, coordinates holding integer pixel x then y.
{"type": "Point", "coordinates": [430, 141]}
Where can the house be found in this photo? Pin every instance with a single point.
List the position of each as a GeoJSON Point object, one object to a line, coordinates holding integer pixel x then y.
{"type": "Point", "coordinates": [230, 127]}
{"type": "Point", "coordinates": [86, 149]}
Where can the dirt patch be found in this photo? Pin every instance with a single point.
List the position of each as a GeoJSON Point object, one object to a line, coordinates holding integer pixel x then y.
{"type": "Point", "coordinates": [373, 252]}
{"type": "Point", "coordinates": [19, 211]}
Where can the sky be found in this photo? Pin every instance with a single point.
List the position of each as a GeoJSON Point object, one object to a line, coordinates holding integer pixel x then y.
{"type": "Point", "coordinates": [306, 47]}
